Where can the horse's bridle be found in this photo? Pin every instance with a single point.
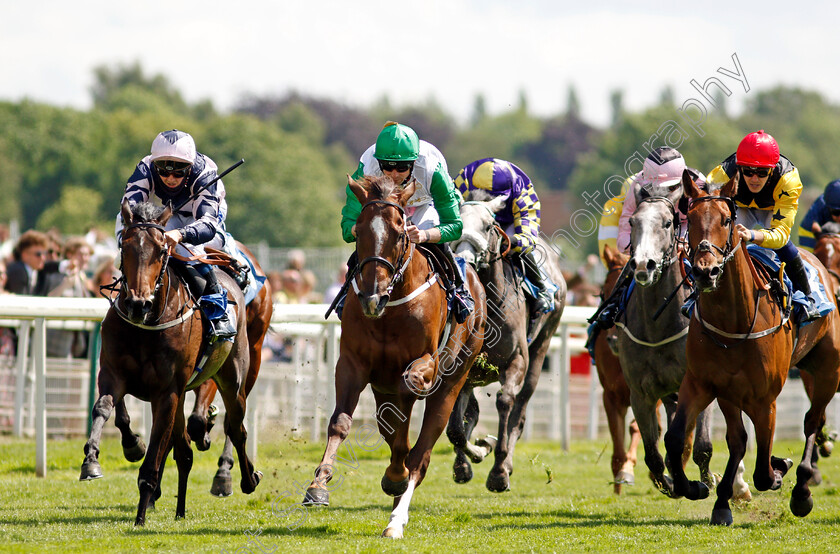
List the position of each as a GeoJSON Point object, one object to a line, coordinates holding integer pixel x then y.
{"type": "Point", "coordinates": [493, 252]}
{"type": "Point", "coordinates": [706, 245]}
{"type": "Point", "coordinates": [668, 256]}
{"type": "Point", "coordinates": [396, 272]}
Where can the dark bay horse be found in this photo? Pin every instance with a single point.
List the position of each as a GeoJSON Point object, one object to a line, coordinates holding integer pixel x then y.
{"type": "Point", "coordinates": [151, 342]}
{"type": "Point", "coordinates": [616, 395]}
{"type": "Point", "coordinates": [397, 336]}
{"type": "Point", "coordinates": [506, 343]}
{"type": "Point", "coordinates": [652, 349]}
{"type": "Point", "coordinates": [740, 348]}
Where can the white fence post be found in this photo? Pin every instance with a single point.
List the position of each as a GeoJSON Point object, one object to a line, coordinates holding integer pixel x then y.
{"type": "Point", "coordinates": [20, 381]}
{"type": "Point", "coordinates": [39, 353]}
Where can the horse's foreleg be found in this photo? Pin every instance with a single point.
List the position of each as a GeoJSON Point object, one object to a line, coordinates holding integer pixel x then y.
{"type": "Point", "coordinates": [100, 414]}
{"type": "Point", "coordinates": [702, 452]}
{"type": "Point", "coordinates": [693, 399]}
{"type": "Point", "coordinates": [163, 421]}
{"type": "Point", "coordinates": [132, 444]}
{"type": "Point", "coordinates": [769, 470]}
{"type": "Point", "coordinates": [235, 429]}
{"type": "Point", "coordinates": [457, 435]}
{"type": "Point", "coordinates": [622, 468]}
{"type": "Point", "coordinates": [438, 408]}
{"type": "Point", "coordinates": [201, 419]}
{"type": "Point", "coordinates": [736, 440]}
{"type": "Point", "coordinates": [647, 418]}
{"type": "Point", "coordinates": [393, 413]}
{"type": "Point", "coordinates": [498, 480]}
{"type": "Point", "coordinates": [348, 386]}
{"type": "Point", "coordinates": [184, 460]}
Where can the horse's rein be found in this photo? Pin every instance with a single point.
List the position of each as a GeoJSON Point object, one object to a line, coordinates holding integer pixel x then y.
{"type": "Point", "coordinates": [408, 247]}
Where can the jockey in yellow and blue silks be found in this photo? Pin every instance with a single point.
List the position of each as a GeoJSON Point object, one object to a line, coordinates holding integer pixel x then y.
{"type": "Point", "coordinates": [520, 218]}
{"type": "Point", "coordinates": [433, 213]}
{"type": "Point", "coordinates": [826, 208]}
{"type": "Point", "coordinates": [767, 200]}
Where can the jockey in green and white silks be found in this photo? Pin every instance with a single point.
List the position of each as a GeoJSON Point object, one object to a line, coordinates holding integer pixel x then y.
{"type": "Point", "coordinates": [433, 210]}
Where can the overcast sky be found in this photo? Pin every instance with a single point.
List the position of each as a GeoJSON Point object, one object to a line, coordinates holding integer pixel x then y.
{"type": "Point", "coordinates": [358, 51]}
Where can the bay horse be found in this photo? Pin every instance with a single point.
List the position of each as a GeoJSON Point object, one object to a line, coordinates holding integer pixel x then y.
{"type": "Point", "coordinates": [507, 345]}
{"type": "Point", "coordinates": [397, 336]}
{"type": "Point", "coordinates": [616, 396]}
{"type": "Point", "coordinates": [652, 332]}
{"type": "Point", "coordinates": [740, 347]}
{"type": "Point", "coordinates": [151, 342]}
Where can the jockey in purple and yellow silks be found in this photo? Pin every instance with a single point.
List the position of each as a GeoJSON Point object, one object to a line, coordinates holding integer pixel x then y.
{"type": "Point", "coordinates": [520, 217]}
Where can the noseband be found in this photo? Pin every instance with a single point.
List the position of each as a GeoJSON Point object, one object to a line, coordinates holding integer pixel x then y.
{"type": "Point", "coordinates": [396, 274]}
{"type": "Point", "coordinates": [706, 245]}
{"type": "Point", "coordinates": [164, 255]}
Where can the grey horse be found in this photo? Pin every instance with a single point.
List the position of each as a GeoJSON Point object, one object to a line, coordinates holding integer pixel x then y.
{"type": "Point", "coordinates": [506, 344]}
{"type": "Point", "coordinates": [652, 351]}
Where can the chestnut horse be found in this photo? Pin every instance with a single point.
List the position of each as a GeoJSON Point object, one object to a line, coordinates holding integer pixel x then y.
{"type": "Point", "coordinates": [616, 395]}
{"type": "Point", "coordinates": [398, 336]}
{"type": "Point", "coordinates": [740, 348]}
{"type": "Point", "coordinates": [517, 351]}
{"type": "Point", "coordinates": [152, 338]}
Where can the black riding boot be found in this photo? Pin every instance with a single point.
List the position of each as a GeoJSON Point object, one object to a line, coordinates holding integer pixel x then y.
{"type": "Point", "coordinates": [224, 325]}
{"type": "Point", "coordinates": [544, 301]}
{"type": "Point", "coordinates": [462, 302]}
{"type": "Point", "coordinates": [795, 269]}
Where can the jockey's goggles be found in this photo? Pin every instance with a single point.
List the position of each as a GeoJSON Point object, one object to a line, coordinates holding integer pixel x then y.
{"type": "Point", "coordinates": [760, 172]}
{"type": "Point", "coordinates": [165, 168]}
{"type": "Point", "coordinates": [402, 167]}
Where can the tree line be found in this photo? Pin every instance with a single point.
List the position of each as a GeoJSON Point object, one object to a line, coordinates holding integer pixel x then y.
{"type": "Point", "coordinates": [65, 168]}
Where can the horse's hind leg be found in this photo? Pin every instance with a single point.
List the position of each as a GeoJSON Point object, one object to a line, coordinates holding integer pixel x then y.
{"type": "Point", "coordinates": [132, 444]}
{"type": "Point", "coordinates": [622, 467]}
{"type": "Point", "coordinates": [222, 483]}
{"type": "Point", "coordinates": [235, 429]}
{"type": "Point", "coordinates": [100, 414]}
{"type": "Point", "coordinates": [510, 402]}
{"type": "Point", "coordinates": [201, 419]}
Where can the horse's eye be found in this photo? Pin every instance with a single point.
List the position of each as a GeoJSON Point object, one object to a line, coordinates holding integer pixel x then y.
{"type": "Point", "coordinates": [727, 221]}
{"type": "Point", "coordinates": [668, 224]}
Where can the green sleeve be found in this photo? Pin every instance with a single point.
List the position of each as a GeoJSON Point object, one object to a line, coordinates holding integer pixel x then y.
{"type": "Point", "coordinates": [352, 208]}
{"type": "Point", "coordinates": [446, 205]}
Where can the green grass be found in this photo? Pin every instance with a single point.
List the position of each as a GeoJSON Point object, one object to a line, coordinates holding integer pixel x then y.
{"type": "Point", "coordinates": [575, 511]}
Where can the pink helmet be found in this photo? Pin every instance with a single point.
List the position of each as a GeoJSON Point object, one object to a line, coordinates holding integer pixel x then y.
{"type": "Point", "coordinates": [757, 149]}
{"type": "Point", "coordinates": [664, 166]}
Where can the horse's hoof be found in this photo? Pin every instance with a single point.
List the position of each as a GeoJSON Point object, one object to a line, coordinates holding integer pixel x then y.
{"type": "Point", "coordinates": [249, 486]}
{"type": "Point", "coordinates": [499, 482]}
{"type": "Point", "coordinates": [782, 465]}
{"type": "Point", "coordinates": [698, 491]}
{"type": "Point", "coordinates": [392, 533]}
{"type": "Point", "coordinates": [90, 471]}
{"type": "Point", "coordinates": [625, 478]}
{"type": "Point", "coordinates": [222, 485]}
{"type": "Point", "coordinates": [826, 448]}
{"type": "Point", "coordinates": [316, 497]}
{"type": "Point", "coordinates": [136, 452]}
{"type": "Point", "coordinates": [198, 430]}
{"type": "Point", "coordinates": [489, 442]}
{"type": "Point", "coordinates": [721, 516]}
{"type": "Point", "coordinates": [801, 507]}
{"type": "Point", "coordinates": [462, 473]}
{"type": "Point", "coordinates": [394, 489]}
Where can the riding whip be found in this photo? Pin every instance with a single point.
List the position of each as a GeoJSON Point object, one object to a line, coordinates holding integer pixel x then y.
{"type": "Point", "coordinates": [211, 183]}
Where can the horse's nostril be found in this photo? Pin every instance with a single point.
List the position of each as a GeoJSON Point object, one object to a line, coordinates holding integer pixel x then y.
{"type": "Point", "coordinates": [651, 265]}
{"type": "Point", "coordinates": [714, 272]}
{"type": "Point", "coordinates": [632, 264]}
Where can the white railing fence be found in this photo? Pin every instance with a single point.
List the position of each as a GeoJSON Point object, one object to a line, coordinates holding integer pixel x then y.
{"type": "Point", "coordinates": [294, 396]}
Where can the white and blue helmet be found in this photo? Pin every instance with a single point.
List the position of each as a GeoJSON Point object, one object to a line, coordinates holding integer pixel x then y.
{"type": "Point", "coordinates": [174, 145]}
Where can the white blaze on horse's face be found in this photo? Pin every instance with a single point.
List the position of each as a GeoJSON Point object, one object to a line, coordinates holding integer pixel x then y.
{"type": "Point", "coordinates": [478, 220]}
{"type": "Point", "coordinates": [651, 237]}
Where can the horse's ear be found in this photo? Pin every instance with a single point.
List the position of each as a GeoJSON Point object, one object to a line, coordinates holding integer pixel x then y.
{"type": "Point", "coordinates": [689, 187]}
{"type": "Point", "coordinates": [407, 192]}
{"type": "Point", "coordinates": [166, 214]}
{"type": "Point", "coordinates": [125, 211]}
{"type": "Point", "coordinates": [609, 254]}
{"type": "Point", "coordinates": [497, 203]}
{"type": "Point", "coordinates": [357, 189]}
{"type": "Point", "coordinates": [815, 228]}
{"type": "Point", "coordinates": [730, 189]}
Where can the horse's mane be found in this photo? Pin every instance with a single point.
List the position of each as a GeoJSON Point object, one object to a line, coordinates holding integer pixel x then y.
{"type": "Point", "coordinates": [145, 212]}
{"type": "Point", "coordinates": [830, 228]}
{"type": "Point", "coordinates": [481, 195]}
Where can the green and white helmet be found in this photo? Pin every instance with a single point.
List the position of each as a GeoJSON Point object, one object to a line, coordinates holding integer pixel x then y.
{"type": "Point", "coordinates": [397, 143]}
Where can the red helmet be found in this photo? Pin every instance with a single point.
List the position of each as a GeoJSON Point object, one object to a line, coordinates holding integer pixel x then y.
{"type": "Point", "coordinates": [757, 150]}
